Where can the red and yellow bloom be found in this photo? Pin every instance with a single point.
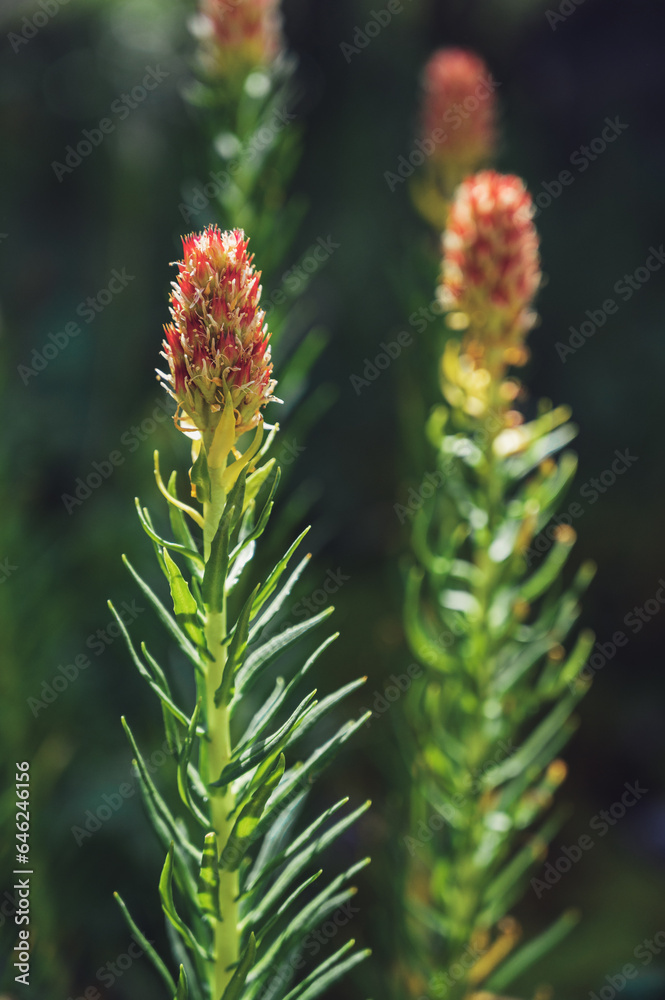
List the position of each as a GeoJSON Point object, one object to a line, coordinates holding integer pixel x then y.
{"type": "Point", "coordinates": [217, 343]}
{"type": "Point", "coordinates": [491, 273]}
{"type": "Point", "coordinates": [491, 266]}
{"type": "Point", "coordinates": [239, 36]}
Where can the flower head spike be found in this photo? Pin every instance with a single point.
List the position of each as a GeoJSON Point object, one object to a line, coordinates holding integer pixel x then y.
{"type": "Point", "coordinates": [459, 99]}
{"type": "Point", "coordinates": [217, 345]}
{"type": "Point", "coordinates": [491, 273]}
{"type": "Point", "coordinates": [457, 127]}
{"type": "Point", "coordinates": [491, 266]}
{"type": "Point", "coordinates": [239, 36]}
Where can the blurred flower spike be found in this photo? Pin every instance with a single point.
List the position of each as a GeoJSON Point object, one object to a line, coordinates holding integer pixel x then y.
{"type": "Point", "coordinates": [458, 97]}
{"type": "Point", "coordinates": [457, 127]}
{"type": "Point", "coordinates": [217, 344]}
{"type": "Point", "coordinates": [238, 36]}
{"type": "Point", "coordinates": [491, 273]}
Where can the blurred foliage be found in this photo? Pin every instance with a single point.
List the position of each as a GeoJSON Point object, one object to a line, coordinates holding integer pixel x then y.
{"type": "Point", "coordinates": [119, 209]}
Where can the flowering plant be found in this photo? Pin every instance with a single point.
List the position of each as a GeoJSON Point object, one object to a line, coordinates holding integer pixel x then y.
{"type": "Point", "coordinates": [238, 36]}
{"type": "Point", "coordinates": [234, 865]}
{"type": "Point", "coordinates": [489, 628]}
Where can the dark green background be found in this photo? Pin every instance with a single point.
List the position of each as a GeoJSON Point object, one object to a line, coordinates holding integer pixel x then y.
{"type": "Point", "coordinates": [119, 209]}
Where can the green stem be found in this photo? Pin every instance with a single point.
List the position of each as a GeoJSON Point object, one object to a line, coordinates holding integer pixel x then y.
{"type": "Point", "coordinates": [218, 755]}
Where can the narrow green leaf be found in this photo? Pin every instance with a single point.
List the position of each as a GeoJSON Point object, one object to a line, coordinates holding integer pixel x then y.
{"type": "Point", "coordinates": [187, 551]}
{"type": "Point", "coordinates": [274, 607]}
{"type": "Point", "coordinates": [181, 954]}
{"type": "Point", "coordinates": [266, 863]}
{"type": "Point", "coordinates": [161, 678]}
{"type": "Point", "coordinates": [183, 766]}
{"type": "Point", "coordinates": [325, 705]}
{"type": "Point", "coordinates": [273, 921]}
{"type": "Point", "coordinates": [274, 577]}
{"type": "Point", "coordinates": [165, 824]}
{"type": "Point", "coordinates": [238, 498]}
{"type": "Point", "coordinates": [247, 524]}
{"type": "Point", "coordinates": [258, 751]}
{"type": "Point", "coordinates": [235, 987]}
{"type": "Point", "coordinates": [200, 477]}
{"type": "Point", "coordinates": [316, 973]}
{"type": "Point", "coordinates": [236, 652]}
{"type": "Point", "coordinates": [159, 824]}
{"type": "Point", "coordinates": [214, 576]}
{"type": "Point", "coordinates": [422, 641]}
{"type": "Point", "coordinates": [518, 659]}
{"type": "Point", "coordinates": [184, 603]}
{"type": "Point", "coordinates": [508, 886]}
{"type": "Point", "coordinates": [145, 945]}
{"type": "Point", "coordinates": [254, 534]}
{"type": "Point", "coordinates": [236, 570]}
{"type": "Point", "coordinates": [240, 837]}
{"type": "Point", "coordinates": [571, 669]}
{"type": "Point", "coordinates": [244, 462]}
{"type": "Point", "coordinates": [171, 498]}
{"type": "Point", "coordinates": [164, 616]}
{"type": "Point", "coordinates": [543, 578]}
{"type": "Point", "coordinates": [306, 773]}
{"type": "Point", "coordinates": [258, 478]}
{"type": "Point", "coordinates": [533, 951]}
{"type": "Point", "coordinates": [168, 905]}
{"type": "Point", "coordinates": [553, 489]}
{"type": "Point", "coordinates": [309, 916]}
{"type": "Point", "coordinates": [275, 838]}
{"type": "Point", "coordinates": [515, 788]}
{"type": "Point", "coordinates": [281, 692]}
{"type": "Point", "coordinates": [259, 658]}
{"type": "Point", "coordinates": [265, 712]}
{"type": "Point", "coordinates": [321, 983]}
{"type": "Point", "coordinates": [306, 920]}
{"type": "Point", "coordinates": [182, 992]}
{"type": "Point", "coordinates": [262, 521]}
{"type": "Point", "coordinates": [536, 742]}
{"type": "Point", "coordinates": [208, 894]}
{"type": "Point", "coordinates": [197, 782]}
{"type": "Point", "coordinates": [163, 696]}
{"type": "Point", "coordinates": [222, 576]}
{"type": "Point", "coordinates": [294, 867]}
{"type": "Point", "coordinates": [179, 525]}
{"type": "Point", "coordinates": [542, 444]}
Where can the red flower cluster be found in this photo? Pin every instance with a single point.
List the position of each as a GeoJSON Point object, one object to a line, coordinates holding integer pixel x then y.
{"type": "Point", "coordinates": [240, 35]}
{"type": "Point", "coordinates": [491, 266]}
{"type": "Point", "coordinates": [459, 102]}
{"type": "Point", "coordinates": [217, 343]}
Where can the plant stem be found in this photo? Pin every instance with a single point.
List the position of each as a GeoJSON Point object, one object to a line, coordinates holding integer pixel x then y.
{"type": "Point", "coordinates": [219, 748]}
